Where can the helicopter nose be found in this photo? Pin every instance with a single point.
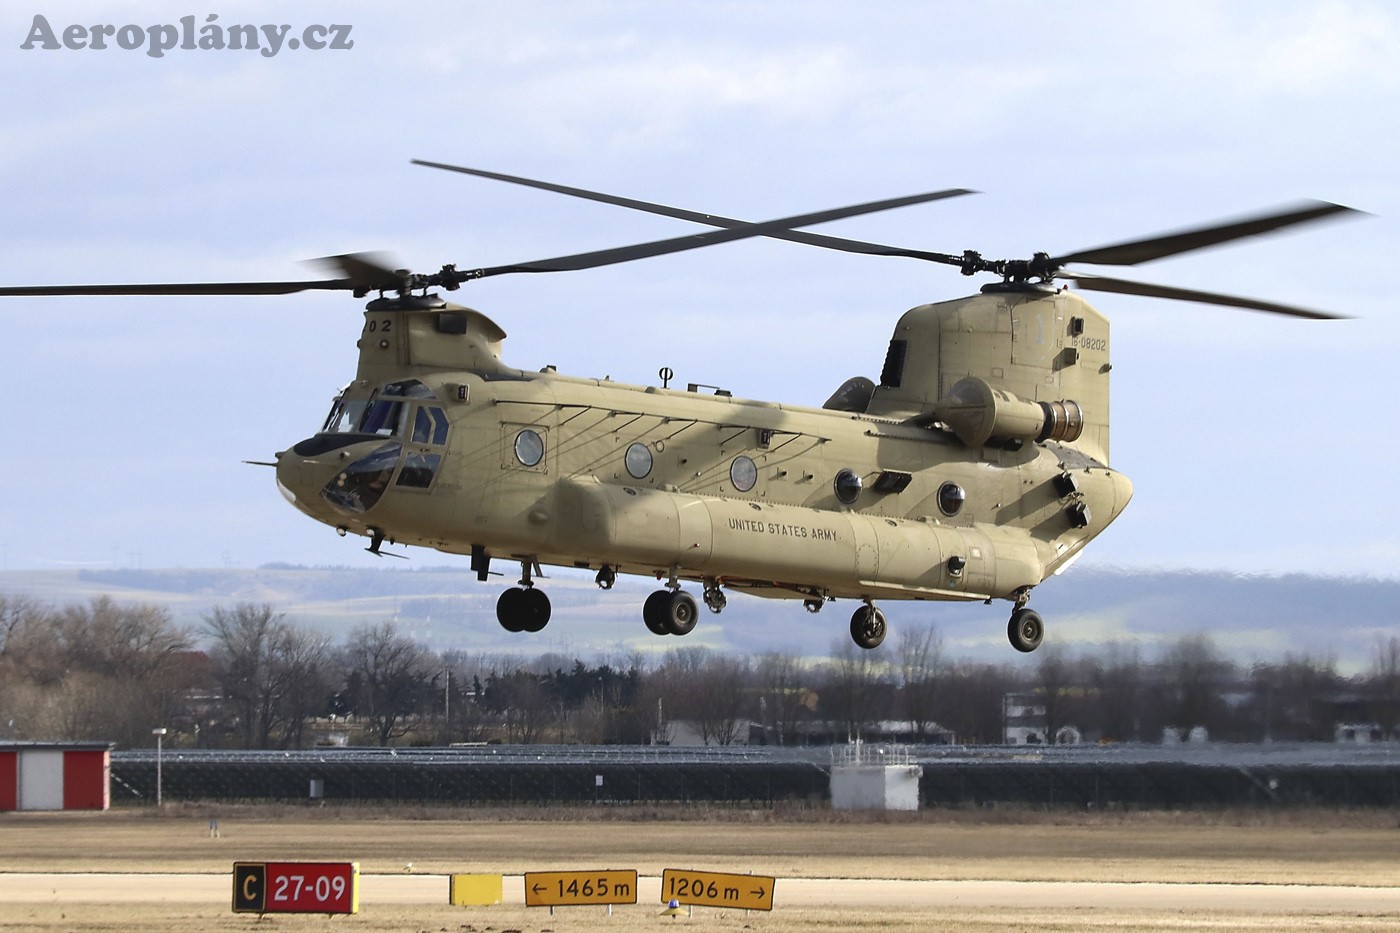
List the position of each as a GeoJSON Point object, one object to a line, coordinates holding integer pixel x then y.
{"type": "Point", "coordinates": [299, 478]}
{"type": "Point", "coordinates": [332, 475]}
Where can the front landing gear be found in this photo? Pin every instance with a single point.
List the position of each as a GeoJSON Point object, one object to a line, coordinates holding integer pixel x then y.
{"type": "Point", "coordinates": [1026, 629]}
{"type": "Point", "coordinates": [868, 626]}
{"type": "Point", "coordinates": [523, 608]}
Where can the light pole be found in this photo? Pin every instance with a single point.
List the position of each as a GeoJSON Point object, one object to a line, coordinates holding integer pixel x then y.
{"type": "Point", "coordinates": [159, 734]}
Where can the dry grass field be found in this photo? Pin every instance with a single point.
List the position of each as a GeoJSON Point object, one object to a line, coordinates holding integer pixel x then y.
{"type": "Point", "coordinates": [1293, 848]}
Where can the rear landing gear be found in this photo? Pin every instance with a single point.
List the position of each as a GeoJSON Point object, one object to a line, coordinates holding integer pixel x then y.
{"type": "Point", "coordinates": [670, 612]}
{"type": "Point", "coordinates": [1026, 629]}
{"type": "Point", "coordinates": [868, 626]}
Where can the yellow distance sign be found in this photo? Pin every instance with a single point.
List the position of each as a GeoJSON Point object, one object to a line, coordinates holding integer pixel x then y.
{"type": "Point", "coordinates": [717, 889]}
{"type": "Point", "coordinates": [580, 888]}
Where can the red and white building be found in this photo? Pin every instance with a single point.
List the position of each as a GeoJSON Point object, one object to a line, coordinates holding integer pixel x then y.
{"type": "Point", "coordinates": [55, 775]}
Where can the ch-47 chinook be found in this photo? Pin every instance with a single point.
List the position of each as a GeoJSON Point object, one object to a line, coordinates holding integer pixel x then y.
{"type": "Point", "coordinates": [973, 470]}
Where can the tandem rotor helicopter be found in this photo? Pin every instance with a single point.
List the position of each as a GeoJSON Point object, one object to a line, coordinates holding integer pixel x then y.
{"type": "Point", "coordinates": [974, 469]}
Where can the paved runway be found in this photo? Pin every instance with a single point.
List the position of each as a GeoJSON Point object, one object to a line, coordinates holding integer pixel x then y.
{"type": "Point", "coordinates": [795, 892]}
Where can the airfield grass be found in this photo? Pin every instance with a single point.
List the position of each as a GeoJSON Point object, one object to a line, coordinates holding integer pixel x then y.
{"type": "Point", "coordinates": [1253, 847]}
{"type": "Point", "coordinates": [192, 919]}
{"type": "Point", "coordinates": [1243, 847]}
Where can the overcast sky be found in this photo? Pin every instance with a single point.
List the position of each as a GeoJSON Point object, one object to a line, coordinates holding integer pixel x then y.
{"type": "Point", "coordinates": [1256, 443]}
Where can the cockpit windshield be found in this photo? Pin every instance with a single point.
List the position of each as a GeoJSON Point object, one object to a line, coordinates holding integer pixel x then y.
{"type": "Point", "coordinates": [345, 415]}
{"type": "Point", "coordinates": [383, 414]}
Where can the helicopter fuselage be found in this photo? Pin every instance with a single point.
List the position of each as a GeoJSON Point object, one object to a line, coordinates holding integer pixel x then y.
{"type": "Point", "coordinates": [438, 443]}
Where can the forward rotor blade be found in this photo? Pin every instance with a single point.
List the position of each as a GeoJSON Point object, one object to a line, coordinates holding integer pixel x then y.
{"type": "Point", "coordinates": [713, 220]}
{"type": "Point", "coordinates": [1132, 252]}
{"type": "Point", "coordinates": [1099, 283]}
{"type": "Point", "coordinates": [192, 288]}
{"type": "Point", "coordinates": [369, 271]}
{"type": "Point", "coordinates": [678, 244]}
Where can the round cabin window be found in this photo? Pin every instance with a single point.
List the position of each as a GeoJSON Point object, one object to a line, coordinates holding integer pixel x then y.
{"type": "Point", "coordinates": [743, 473]}
{"type": "Point", "coordinates": [951, 498]}
{"type": "Point", "coordinates": [529, 447]}
{"type": "Point", "coordinates": [638, 460]}
{"type": "Point", "coordinates": [847, 485]}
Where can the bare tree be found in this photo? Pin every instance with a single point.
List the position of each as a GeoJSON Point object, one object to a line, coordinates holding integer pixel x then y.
{"type": "Point", "coordinates": [109, 671]}
{"type": "Point", "coordinates": [131, 642]}
{"type": "Point", "coordinates": [273, 673]}
{"type": "Point", "coordinates": [784, 699]}
{"type": "Point", "coordinates": [706, 689]}
{"type": "Point", "coordinates": [526, 707]}
{"type": "Point", "coordinates": [1054, 686]}
{"type": "Point", "coordinates": [1117, 679]}
{"type": "Point", "coordinates": [22, 621]}
{"type": "Point", "coordinates": [391, 672]}
{"type": "Point", "coordinates": [465, 716]}
{"type": "Point", "coordinates": [920, 670]}
{"type": "Point", "coordinates": [1384, 684]}
{"type": "Point", "coordinates": [305, 657]}
{"type": "Point", "coordinates": [972, 704]}
{"type": "Point", "coordinates": [852, 693]}
{"type": "Point", "coordinates": [719, 698]}
{"type": "Point", "coordinates": [1195, 674]}
{"type": "Point", "coordinates": [1291, 699]}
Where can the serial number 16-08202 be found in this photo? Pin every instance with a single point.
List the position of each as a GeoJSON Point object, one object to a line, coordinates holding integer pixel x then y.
{"type": "Point", "coordinates": [1091, 343]}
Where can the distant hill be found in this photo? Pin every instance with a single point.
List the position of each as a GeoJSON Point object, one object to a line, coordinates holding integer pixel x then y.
{"type": "Point", "coordinates": [1250, 617]}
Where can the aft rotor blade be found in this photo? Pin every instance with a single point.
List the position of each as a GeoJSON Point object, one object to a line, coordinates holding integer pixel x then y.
{"type": "Point", "coordinates": [713, 220]}
{"type": "Point", "coordinates": [191, 288]}
{"type": "Point", "coordinates": [1099, 283]}
{"type": "Point", "coordinates": [678, 244]}
{"type": "Point", "coordinates": [1132, 252]}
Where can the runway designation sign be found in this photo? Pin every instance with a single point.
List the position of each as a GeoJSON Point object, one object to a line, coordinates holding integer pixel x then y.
{"type": "Point", "coordinates": [296, 887]}
{"type": "Point", "coordinates": [717, 889]}
{"type": "Point", "coordinates": [580, 888]}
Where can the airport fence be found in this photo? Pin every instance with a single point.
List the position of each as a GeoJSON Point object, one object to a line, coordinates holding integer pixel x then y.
{"type": "Point", "coordinates": [571, 775]}
{"type": "Point", "coordinates": [1158, 785]}
{"type": "Point", "coordinates": [577, 777]}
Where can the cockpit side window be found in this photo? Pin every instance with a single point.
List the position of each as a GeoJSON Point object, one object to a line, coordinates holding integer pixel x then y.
{"type": "Point", "coordinates": [421, 465]}
{"type": "Point", "coordinates": [430, 426]}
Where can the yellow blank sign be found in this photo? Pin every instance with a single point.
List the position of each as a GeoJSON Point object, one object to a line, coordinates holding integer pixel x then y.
{"type": "Point", "coordinates": [474, 890]}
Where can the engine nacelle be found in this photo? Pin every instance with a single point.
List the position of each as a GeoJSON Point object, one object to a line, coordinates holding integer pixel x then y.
{"type": "Point", "coordinates": [979, 413]}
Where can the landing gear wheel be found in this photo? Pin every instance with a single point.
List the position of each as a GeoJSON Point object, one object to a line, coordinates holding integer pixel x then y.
{"type": "Point", "coordinates": [681, 613]}
{"type": "Point", "coordinates": [523, 609]}
{"type": "Point", "coordinates": [868, 627]}
{"type": "Point", "coordinates": [1026, 629]}
{"type": "Point", "coordinates": [654, 612]}
{"type": "Point", "coordinates": [534, 610]}
{"type": "Point", "coordinates": [508, 609]}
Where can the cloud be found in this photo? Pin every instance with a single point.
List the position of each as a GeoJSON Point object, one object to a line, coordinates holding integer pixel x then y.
{"type": "Point", "coordinates": [1316, 49]}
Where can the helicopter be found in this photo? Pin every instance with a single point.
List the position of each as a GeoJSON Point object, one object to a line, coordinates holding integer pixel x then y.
{"type": "Point", "coordinates": [974, 469]}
